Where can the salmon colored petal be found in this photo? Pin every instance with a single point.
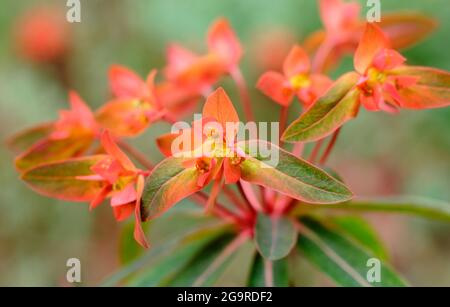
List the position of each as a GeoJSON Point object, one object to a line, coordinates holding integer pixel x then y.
{"type": "Point", "coordinates": [337, 14]}
{"type": "Point", "coordinates": [139, 234]}
{"type": "Point", "coordinates": [101, 196]}
{"type": "Point", "coordinates": [273, 85]}
{"type": "Point", "coordinates": [126, 117]}
{"type": "Point", "coordinates": [218, 106]}
{"type": "Point", "coordinates": [387, 59]}
{"type": "Point", "coordinates": [231, 172]}
{"type": "Point", "coordinates": [109, 169]}
{"type": "Point", "coordinates": [297, 62]}
{"type": "Point", "coordinates": [151, 90]}
{"type": "Point", "coordinates": [125, 196]}
{"type": "Point", "coordinates": [121, 213]}
{"type": "Point", "coordinates": [125, 83]}
{"type": "Point", "coordinates": [178, 59]}
{"type": "Point", "coordinates": [164, 143]}
{"type": "Point", "coordinates": [200, 75]}
{"type": "Point", "coordinates": [372, 41]}
{"type": "Point", "coordinates": [112, 149]}
{"type": "Point", "coordinates": [80, 111]}
{"type": "Point", "coordinates": [223, 40]}
{"type": "Point", "coordinates": [372, 102]}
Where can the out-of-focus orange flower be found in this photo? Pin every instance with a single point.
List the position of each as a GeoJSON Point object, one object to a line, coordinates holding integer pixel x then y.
{"type": "Point", "coordinates": [43, 34]}
{"type": "Point", "coordinates": [122, 182]}
{"type": "Point", "coordinates": [134, 106]}
{"type": "Point", "coordinates": [296, 79]}
{"type": "Point", "coordinates": [386, 84]}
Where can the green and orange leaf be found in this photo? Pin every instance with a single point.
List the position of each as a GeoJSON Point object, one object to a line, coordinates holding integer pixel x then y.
{"type": "Point", "coordinates": [432, 89]}
{"type": "Point", "coordinates": [23, 140]}
{"type": "Point", "coordinates": [169, 182]}
{"type": "Point", "coordinates": [338, 105]}
{"type": "Point", "coordinates": [50, 150]}
{"type": "Point", "coordinates": [290, 175]}
{"type": "Point", "coordinates": [69, 180]}
{"type": "Point", "coordinates": [407, 28]}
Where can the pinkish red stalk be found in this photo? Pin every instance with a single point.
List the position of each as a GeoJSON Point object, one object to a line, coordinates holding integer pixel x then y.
{"type": "Point", "coordinates": [243, 93]}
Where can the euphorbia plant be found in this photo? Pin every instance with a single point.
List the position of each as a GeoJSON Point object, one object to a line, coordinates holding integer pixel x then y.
{"type": "Point", "coordinates": [263, 209]}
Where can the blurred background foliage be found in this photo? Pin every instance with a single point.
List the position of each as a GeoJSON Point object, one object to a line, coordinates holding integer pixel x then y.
{"type": "Point", "coordinates": [377, 154]}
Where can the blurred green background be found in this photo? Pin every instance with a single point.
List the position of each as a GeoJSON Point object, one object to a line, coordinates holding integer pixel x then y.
{"type": "Point", "coordinates": [377, 154]}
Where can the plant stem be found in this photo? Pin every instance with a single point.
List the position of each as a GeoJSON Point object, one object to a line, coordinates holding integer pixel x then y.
{"type": "Point", "coordinates": [238, 78]}
{"type": "Point", "coordinates": [330, 147]}
{"type": "Point", "coordinates": [268, 273]}
{"type": "Point", "coordinates": [136, 154]}
{"type": "Point", "coordinates": [219, 210]}
{"type": "Point", "coordinates": [315, 151]}
{"type": "Point", "coordinates": [283, 120]}
{"type": "Point", "coordinates": [250, 195]}
{"type": "Point", "coordinates": [222, 257]}
{"type": "Point", "coordinates": [242, 205]}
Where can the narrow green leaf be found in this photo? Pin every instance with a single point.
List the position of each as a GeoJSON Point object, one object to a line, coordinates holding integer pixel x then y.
{"type": "Point", "coordinates": [360, 230]}
{"type": "Point", "coordinates": [344, 261]}
{"type": "Point", "coordinates": [274, 236]}
{"type": "Point", "coordinates": [280, 276]}
{"type": "Point", "coordinates": [419, 206]}
{"type": "Point", "coordinates": [290, 175]}
{"type": "Point", "coordinates": [164, 248]}
{"type": "Point", "coordinates": [25, 139]}
{"type": "Point", "coordinates": [169, 182]}
{"type": "Point", "coordinates": [338, 105]}
{"type": "Point", "coordinates": [64, 180]}
{"type": "Point", "coordinates": [164, 270]}
{"type": "Point", "coordinates": [207, 266]}
{"type": "Point", "coordinates": [49, 150]}
{"type": "Point", "coordinates": [129, 249]}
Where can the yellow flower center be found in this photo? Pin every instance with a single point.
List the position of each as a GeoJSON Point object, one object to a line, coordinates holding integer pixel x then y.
{"type": "Point", "coordinates": [300, 81]}
{"type": "Point", "coordinates": [375, 76]}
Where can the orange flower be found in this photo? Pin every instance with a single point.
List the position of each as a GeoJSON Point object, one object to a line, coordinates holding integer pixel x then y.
{"type": "Point", "coordinates": [386, 84]}
{"type": "Point", "coordinates": [296, 79]}
{"type": "Point", "coordinates": [123, 184]}
{"type": "Point", "coordinates": [43, 34]}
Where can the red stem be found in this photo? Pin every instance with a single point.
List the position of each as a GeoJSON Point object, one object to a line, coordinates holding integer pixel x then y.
{"type": "Point", "coordinates": [315, 151]}
{"type": "Point", "coordinates": [238, 78]}
{"type": "Point", "coordinates": [136, 154]}
{"type": "Point", "coordinates": [283, 120]}
{"type": "Point", "coordinates": [330, 147]}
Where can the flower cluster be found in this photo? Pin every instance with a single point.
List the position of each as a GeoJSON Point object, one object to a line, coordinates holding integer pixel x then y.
{"type": "Point", "coordinates": [83, 156]}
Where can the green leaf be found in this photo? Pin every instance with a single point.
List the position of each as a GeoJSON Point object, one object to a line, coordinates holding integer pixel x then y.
{"type": "Point", "coordinates": [162, 271]}
{"type": "Point", "coordinates": [280, 276]}
{"type": "Point", "coordinates": [338, 105]}
{"type": "Point", "coordinates": [341, 259]}
{"type": "Point", "coordinates": [419, 206]}
{"type": "Point", "coordinates": [63, 180]}
{"type": "Point", "coordinates": [49, 150]}
{"type": "Point", "coordinates": [164, 248]}
{"type": "Point", "coordinates": [362, 232]}
{"type": "Point", "coordinates": [25, 139]}
{"type": "Point", "coordinates": [274, 236]}
{"type": "Point", "coordinates": [210, 263]}
{"type": "Point", "coordinates": [129, 249]}
{"type": "Point", "coordinates": [290, 175]}
{"type": "Point", "coordinates": [169, 182]}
